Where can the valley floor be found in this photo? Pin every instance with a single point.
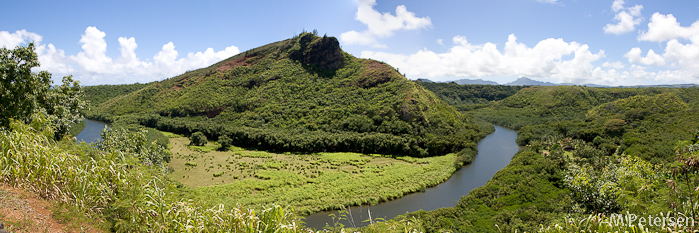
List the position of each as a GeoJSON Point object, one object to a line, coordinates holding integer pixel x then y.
{"type": "Point", "coordinates": [307, 182]}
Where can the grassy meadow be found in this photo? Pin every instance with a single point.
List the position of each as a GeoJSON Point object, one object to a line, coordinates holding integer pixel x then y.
{"type": "Point", "coordinates": [307, 182]}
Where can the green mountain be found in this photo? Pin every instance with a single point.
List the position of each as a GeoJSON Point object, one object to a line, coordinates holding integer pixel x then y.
{"type": "Point", "coordinates": [587, 153]}
{"type": "Point", "coordinates": [300, 94]}
{"type": "Point", "coordinates": [541, 104]}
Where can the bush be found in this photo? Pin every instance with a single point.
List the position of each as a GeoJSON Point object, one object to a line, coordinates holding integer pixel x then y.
{"type": "Point", "coordinates": [225, 142]}
{"type": "Point", "coordinates": [197, 139]}
{"type": "Point", "coordinates": [465, 157]}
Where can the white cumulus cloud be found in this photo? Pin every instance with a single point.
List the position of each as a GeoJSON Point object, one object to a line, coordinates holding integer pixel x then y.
{"type": "Point", "coordinates": [93, 66]}
{"type": "Point", "coordinates": [627, 18]}
{"type": "Point", "coordinates": [93, 58]}
{"type": "Point", "coordinates": [617, 5]}
{"type": "Point", "coordinates": [550, 58]}
{"type": "Point", "coordinates": [53, 60]}
{"type": "Point", "coordinates": [665, 27]}
{"type": "Point", "coordinates": [50, 58]}
{"type": "Point", "coordinates": [651, 58]}
{"type": "Point", "coordinates": [382, 25]}
{"type": "Point", "coordinates": [12, 40]}
{"type": "Point", "coordinates": [440, 42]}
{"type": "Point", "coordinates": [614, 65]}
{"type": "Point", "coordinates": [681, 52]}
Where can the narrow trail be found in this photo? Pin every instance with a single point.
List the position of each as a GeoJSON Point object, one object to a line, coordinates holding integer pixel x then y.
{"type": "Point", "coordinates": [22, 211]}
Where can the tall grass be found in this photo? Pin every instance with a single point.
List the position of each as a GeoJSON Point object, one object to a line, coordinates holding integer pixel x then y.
{"type": "Point", "coordinates": [118, 187]}
{"type": "Point", "coordinates": [30, 160]}
{"type": "Point", "coordinates": [604, 223]}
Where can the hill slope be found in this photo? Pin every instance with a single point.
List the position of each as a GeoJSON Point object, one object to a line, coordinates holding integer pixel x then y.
{"type": "Point", "coordinates": [541, 104]}
{"type": "Point", "coordinates": [300, 94]}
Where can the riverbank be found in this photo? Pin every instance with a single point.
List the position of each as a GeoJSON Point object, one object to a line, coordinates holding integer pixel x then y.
{"type": "Point", "coordinates": [77, 128]}
{"type": "Point", "coordinates": [494, 153]}
{"type": "Point", "coordinates": [323, 183]}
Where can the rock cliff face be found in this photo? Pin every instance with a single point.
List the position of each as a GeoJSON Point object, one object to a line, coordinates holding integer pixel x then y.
{"type": "Point", "coordinates": [322, 52]}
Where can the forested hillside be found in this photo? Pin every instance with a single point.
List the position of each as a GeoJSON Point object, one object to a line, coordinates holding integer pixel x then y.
{"type": "Point", "coordinates": [300, 94]}
{"type": "Point", "coordinates": [590, 153]}
{"type": "Point", "coordinates": [540, 104]}
{"type": "Point", "coordinates": [467, 97]}
{"type": "Point", "coordinates": [96, 95]}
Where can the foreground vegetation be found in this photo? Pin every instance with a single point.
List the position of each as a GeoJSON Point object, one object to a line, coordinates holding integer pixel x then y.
{"type": "Point", "coordinates": [103, 182]}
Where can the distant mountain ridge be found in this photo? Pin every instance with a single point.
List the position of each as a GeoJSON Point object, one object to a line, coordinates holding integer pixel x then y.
{"type": "Point", "coordinates": [474, 82]}
{"type": "Point", "coordinates": [523, 81]}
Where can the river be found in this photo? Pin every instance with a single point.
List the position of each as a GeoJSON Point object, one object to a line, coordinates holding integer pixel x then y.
{"type": "Point", "coordinates": [92, 131]}
{"type": "Point", "coordinates": [494, 153]}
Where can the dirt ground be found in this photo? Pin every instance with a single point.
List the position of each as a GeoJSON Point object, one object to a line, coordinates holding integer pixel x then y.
{"type": "Point", "coordinates": [21, 211]}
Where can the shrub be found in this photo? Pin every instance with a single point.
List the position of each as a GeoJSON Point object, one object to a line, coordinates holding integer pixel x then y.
{"type": "Point", "coordinates": [191, 164]}
{"type": "Point", "coordinates": [218, 174]}
{"type": "Point", "coordinates": [225, 142]}
{"type": "Point", "coordinates": [197, 139]}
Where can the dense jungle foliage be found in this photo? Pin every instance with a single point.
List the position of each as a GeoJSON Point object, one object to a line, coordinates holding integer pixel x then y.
{"type": "Point", "coordinates": [301, 94]}
{"type": "Point", "coordinates": [466, 97]}
{"type": "Point", "coordinates": [590, 153]}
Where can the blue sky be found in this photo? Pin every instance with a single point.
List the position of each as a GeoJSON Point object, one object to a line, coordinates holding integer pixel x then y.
{"type": "Point", "coordinates": [611, 42]}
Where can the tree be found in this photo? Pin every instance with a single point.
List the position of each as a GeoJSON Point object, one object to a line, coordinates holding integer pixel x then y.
{"type": "Point", "coordinates": [197, 139]}
{"type": "Point", "coordinates": [24, 93]}
{"type": "Point", "coordinates": [615, 126]}
{"type": "Point", "coordinates": [225, 142]}
{"type": "Point", "coordinates": [63, 105]}
{"type": "Point", "coordinates": [20, 88]}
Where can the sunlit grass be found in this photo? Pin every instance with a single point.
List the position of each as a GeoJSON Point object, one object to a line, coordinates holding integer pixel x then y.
{"type": "Point", "coordinates": [307, 182]}
{"type": "Point", "coordinates": [171, 135]}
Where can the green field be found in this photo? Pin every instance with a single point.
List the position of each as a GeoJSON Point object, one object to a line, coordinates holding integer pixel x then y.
{"type": "Point", "coordinates": [307, 182]}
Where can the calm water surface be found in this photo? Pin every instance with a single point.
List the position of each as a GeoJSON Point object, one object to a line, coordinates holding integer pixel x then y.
{"type": "Point", "coordinates": [92, 131]}
{"type": "Point", "coordinates": [494, 153]}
